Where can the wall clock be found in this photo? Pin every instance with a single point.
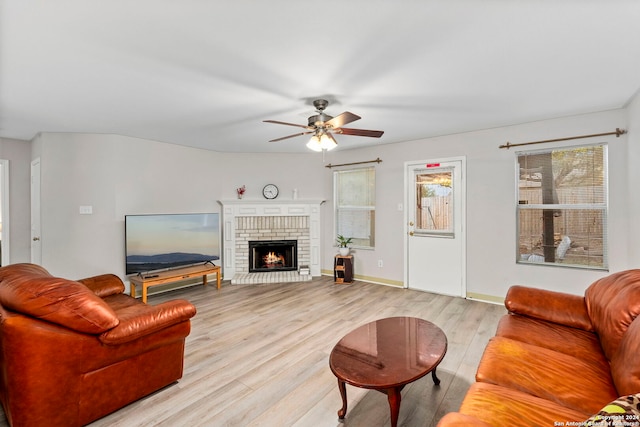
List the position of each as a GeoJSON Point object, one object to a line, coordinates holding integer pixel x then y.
{"type": "Point", "coordinates": [270, 191]}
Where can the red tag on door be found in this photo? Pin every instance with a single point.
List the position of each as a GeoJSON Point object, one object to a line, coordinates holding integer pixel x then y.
{"type": "Point", "coordinates": [433, 165]}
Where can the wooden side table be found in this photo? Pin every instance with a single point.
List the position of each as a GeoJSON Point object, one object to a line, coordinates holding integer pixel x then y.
{"type": "Point", "coordinates": [343, 269]}
{"type": "Point", "coordinates": [171, 276]}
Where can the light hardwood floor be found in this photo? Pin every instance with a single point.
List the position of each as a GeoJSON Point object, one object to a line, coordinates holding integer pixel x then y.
{"type": "Point", "coordinates": [258, 356]}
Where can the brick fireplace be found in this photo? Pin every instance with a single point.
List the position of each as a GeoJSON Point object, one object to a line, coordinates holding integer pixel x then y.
{"type": "Point", "coordinates": [245, 221]}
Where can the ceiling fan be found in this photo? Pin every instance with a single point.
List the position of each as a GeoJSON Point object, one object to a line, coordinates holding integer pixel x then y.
{"type": "Point", "coordinates": [323, 126]}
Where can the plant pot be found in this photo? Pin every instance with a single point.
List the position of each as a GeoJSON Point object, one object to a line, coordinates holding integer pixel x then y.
{"type": "Point", "coordinates": [344, 251]}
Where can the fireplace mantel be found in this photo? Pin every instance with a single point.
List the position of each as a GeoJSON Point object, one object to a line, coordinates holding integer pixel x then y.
{"type": "Point", "coordinates": [234, 255]}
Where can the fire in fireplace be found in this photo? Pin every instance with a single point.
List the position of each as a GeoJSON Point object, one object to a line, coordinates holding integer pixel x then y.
{"type": "Point", "coordinates": [273, 255]}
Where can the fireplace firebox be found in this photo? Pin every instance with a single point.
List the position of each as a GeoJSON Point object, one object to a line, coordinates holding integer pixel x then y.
{"type": "Point", "coordinates": [273, 255]}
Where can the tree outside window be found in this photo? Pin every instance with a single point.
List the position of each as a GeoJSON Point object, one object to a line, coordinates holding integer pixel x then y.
{"type": "Point", "coordinates": [562, 207]}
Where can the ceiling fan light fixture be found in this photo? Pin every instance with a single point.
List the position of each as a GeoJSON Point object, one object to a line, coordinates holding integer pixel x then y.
{"type": "Point", "coordinates": [321, 142]}
{"type": "Point", "coordinates": [314, 144]}
{"type": "Point", "coordinates": [327, 143]}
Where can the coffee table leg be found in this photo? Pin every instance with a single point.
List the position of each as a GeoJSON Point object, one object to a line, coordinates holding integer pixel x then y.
{"type": "Point", "coordinates": [343, 392]}
{"type": "Point", "coordinates": [393, 395]}
{"type": "Point", "coordinates": [436, 380]}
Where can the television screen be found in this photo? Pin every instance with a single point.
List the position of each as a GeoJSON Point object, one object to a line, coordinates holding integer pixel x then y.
{"type": "Point", "coordinates": [163, 241]}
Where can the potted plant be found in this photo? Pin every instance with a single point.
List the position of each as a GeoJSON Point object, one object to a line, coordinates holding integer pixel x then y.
{"type": "Point", "coordinates": [343, 243]}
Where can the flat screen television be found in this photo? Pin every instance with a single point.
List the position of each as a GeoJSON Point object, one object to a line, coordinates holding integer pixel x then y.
{"type": "Point", "coordinates": [164, 241]}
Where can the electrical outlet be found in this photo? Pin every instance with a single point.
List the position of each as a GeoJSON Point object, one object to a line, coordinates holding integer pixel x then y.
{"type": "Point", "coordinates": [380, 263]}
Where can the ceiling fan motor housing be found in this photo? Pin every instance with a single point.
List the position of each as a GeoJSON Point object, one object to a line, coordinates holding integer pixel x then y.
{"type": "Point", "coordinates": [319, 119]}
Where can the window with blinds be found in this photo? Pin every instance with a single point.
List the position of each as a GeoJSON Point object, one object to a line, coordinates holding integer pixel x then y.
{"type": "Point", "coordinates": [355, 205]}
{"type": "Point", "coordinates": [562, 207]}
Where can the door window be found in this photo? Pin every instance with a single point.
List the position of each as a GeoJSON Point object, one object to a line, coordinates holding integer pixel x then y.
{"type": "Point", "coordinates": [434, 202]}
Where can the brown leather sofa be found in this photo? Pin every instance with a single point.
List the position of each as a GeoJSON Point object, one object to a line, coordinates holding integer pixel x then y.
{"type": "Point", "coordinates": [559, 359]}
{"type": "Point", "coordinates": [74, 351]}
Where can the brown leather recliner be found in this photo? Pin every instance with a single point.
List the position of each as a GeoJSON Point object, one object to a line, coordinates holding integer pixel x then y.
{"type": "Point", "coordinates": [74, 351]}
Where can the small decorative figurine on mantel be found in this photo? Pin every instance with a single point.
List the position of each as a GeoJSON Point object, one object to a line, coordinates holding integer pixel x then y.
{"type": "Point", "coordinates": [241, 191]}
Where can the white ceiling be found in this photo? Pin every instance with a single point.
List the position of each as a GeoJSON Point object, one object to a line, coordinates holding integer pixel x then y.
{"type": "Point", "coordinates": [206, 73]}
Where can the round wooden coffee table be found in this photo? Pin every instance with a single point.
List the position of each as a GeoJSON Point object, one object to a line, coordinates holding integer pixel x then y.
{"type": "Point", "coordinates": [386, 355]}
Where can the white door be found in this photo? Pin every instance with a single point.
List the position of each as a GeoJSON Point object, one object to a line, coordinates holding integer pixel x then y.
{"type": "Point", "coordinates": [435, 226]}
{"type": "Point", "coordinates": [36, 243]}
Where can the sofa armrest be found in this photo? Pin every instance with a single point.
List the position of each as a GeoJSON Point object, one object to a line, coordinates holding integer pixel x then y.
{"type": "Point", "coordinates": [557, 307]}
{"type": "Point", "coordinates": [140, 320]}
{"type": "Point", "coordinates": [104, 285]}
{"type": "Point", "coordinates": [457, 419]}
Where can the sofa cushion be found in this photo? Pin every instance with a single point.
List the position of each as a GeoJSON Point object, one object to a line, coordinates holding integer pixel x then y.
{"type": "Point", "coordinates": [613, 302]}
{"type": "Point", "coordinates": [551, 375]}
{"type": "Point", "coordinates": [31, 290]}
{"type": "Point", "coordinates": [625, 365]}
{"type": "Point", "coordinates": [572, 341]}
{"type": "Point", "coordinates": [104, 285]}
{"type": "Point", "coordinates": [551, 306]}
{"type": "Point", "coordinates": [500, 406]}
{"type": "Point", "coordinates": [141, 319]}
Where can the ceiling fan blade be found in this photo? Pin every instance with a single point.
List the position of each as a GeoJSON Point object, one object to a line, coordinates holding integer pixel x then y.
{"type": "Point", "coordinates": [285, 123]}
{"type": "Point", "coordinates": [360, 132]}
{"type": "Point", "coordinates": [343, 119]}
{"type": "Point", "coordinates": [291, 136]}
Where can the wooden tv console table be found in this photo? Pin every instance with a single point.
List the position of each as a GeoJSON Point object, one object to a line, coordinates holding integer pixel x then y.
{"type": "Point", "coordinates": [176, 275]}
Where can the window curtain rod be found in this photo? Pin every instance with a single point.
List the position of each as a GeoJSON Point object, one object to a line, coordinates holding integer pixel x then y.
{"type": "Point", "coordinates": [617, 133]}
{"type": "Point", "coordinates": [354, 163]}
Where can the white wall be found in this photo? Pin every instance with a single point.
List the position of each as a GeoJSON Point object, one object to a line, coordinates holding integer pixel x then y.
{"type": "Point", "coordinates": [120, 175]}
{"type": "Point", "coordinates": [633, 166]}
{"type": "Point", "coordinates": [491, 194]}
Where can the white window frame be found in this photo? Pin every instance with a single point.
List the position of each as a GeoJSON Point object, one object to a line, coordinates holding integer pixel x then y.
{"type": "Point", "coordinates": [604, 207]}
{"type": "Point", "coordinates": [354, 208]}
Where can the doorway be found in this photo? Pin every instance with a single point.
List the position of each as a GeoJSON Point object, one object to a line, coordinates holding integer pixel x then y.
{"type": "Point", "coordinates": [4, 213]}
{"type": "Point", "coordinates": [36, 244]}
{"type": "Point", "coordinates": [435, 236]}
